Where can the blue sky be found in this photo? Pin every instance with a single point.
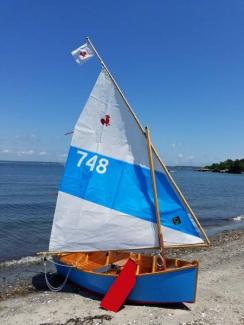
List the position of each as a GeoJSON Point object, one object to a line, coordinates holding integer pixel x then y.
{"type": "Point", "coordinates": [180, 64]}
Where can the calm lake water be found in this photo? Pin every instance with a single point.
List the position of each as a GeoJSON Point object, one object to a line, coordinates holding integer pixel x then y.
{"type": "Point", "coordinates": [28, 194]}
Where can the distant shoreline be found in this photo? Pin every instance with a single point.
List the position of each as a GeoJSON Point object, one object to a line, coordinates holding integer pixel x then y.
{"type": "Point", "coordinates": [221, 171]}
{"type": "Point", "coordinates": [62, 163]}
{"type": "Point", "coordinates": [30, 162]}
{"type": "Point", "coordinates": [228, 166]}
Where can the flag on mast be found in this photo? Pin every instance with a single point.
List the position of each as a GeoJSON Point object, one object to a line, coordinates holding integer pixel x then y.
{"type": "Point", "coordinates": [82, 53]}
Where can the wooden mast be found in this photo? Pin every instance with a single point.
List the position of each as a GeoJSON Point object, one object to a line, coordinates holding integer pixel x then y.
{"type": "Point", "coordinates": [184, 201]}
{"type": "Point", "coordinates": [155, 196]}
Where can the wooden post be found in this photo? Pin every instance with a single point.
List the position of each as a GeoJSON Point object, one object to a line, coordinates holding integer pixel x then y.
{"type": "Point", "coordinates": [155, 196]}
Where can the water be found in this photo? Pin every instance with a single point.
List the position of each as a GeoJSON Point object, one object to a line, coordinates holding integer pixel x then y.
{"type": "Point", "coordinates": [28, 193]}
{"type": "Point", "coordinates": [217, 199]}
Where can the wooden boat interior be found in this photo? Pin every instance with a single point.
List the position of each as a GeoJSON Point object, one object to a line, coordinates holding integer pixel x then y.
{"type": "Point", "coordinates": [146, 264]}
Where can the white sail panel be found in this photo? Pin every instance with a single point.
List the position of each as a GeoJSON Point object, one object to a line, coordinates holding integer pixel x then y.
{"type": "Point", "coordinates": [107, 127]}
{"type": "Point", "coordinates": [94, 228]}
{"type": "Point", "coordinates": [106, 192]}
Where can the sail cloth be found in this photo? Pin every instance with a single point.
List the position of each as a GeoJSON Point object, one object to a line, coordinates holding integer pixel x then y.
{"type": "Point", "coordinates": [105, 200]}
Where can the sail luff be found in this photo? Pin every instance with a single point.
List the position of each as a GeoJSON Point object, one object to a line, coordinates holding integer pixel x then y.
{"type": "Point", "coordinates": [184, 201]}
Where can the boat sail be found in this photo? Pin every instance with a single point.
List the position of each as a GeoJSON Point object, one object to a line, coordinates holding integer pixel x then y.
{"type": "Point", "coordinates": [105, 201]}
{"type": "Point", "coordinates": [117, 196]}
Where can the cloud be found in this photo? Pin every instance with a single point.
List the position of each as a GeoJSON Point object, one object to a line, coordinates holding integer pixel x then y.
{"type": "Point", "coordinates": [173, 145]}
{"type": "Point", "coordinates": [6, 151]}
{"type": "Point", "coordinates": [42, 153]}
{"type": "Point", "coordinates": [180, 155]}
{"type": "Point", "coordinates": [27, 152]}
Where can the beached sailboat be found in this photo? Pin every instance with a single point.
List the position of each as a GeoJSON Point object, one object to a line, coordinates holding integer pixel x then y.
{"type": "Point", "coordinates": [117, 197]}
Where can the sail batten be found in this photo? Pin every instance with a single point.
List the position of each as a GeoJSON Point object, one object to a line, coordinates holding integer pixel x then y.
{"type": "Point", "coordinates": [105, 198]}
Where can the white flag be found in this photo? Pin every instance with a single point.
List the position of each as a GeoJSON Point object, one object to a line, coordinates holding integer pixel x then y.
{"type": "Point", "coordinates": [83, 53]}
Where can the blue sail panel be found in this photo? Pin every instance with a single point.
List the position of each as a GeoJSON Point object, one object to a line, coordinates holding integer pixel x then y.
{"type": "Point", "coordinates": [123, 187]}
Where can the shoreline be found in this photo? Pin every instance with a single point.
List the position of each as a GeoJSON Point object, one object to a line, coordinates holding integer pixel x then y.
{"type": "Point", "coordinates": [212, 233]}
{"type": "Point", "coordinates": [219, 298]}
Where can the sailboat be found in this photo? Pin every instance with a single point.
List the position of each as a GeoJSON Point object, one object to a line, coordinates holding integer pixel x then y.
{"type": "Point", "coordinates": [117, 201]}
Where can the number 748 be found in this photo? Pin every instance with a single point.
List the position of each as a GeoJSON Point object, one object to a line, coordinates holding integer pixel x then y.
{"type": "Point", "coordinates": [100, 165]}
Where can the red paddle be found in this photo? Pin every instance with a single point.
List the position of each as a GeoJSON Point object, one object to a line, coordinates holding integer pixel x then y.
{"type": "Point", "coordinates": [121, 288]}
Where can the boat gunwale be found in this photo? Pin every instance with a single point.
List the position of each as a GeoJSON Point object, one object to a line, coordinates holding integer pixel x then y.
{"type": "Point", "coordinates": [191, 265]}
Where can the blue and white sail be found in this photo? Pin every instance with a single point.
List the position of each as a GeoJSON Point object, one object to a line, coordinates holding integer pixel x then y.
{"type": "Point", "coordinates": [105, 200]}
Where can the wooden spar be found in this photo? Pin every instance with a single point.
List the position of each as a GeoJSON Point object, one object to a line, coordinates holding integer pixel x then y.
{"type": "Point", "coordinates": [155, 196]}
{"type": "Point", "coordinates": [68, 133]}
{"type": "Point", "coordinates": [47, 253]}
{"type": "Point", "coordinates": [184, 201]}
{"type": "Point", "coordinates": [52, 253]}
{"type": "Point", "coordinates": [154, 185]}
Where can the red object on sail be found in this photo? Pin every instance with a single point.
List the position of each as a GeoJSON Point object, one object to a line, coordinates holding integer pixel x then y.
{"type": "Point", "coordinates": [83, 53]}
{"type": "Point", "coordinates": [105, 120]}
{"type": "Point", "coordinates": [121, 288]}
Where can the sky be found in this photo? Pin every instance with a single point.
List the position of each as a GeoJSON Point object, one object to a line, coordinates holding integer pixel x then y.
{"type": "Point", "coordinates": [180, 64]}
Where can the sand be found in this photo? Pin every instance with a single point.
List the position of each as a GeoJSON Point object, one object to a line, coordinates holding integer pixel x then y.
{"type": "Point", "coordinates": [220, 296]}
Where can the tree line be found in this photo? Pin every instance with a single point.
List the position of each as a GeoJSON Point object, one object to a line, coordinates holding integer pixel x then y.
{"type": "Point", "coordinates": [228, 166]}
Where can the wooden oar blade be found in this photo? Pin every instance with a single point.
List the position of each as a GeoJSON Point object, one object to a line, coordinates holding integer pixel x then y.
{"type": "Point", "coordinates": [121, 288]}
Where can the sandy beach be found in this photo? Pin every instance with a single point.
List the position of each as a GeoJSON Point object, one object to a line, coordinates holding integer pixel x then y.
{"type": "Point", "coordinates": [220, 298]}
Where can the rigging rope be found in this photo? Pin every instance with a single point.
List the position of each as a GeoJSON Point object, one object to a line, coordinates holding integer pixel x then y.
{"type": "Point", "coordinates": [52, 288]}
{"type": "Point", "coordinates": [162, 264]}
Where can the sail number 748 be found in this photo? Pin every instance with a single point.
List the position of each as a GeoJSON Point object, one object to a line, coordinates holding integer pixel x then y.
{"type": "Point", "coordinates": [100, 165]}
